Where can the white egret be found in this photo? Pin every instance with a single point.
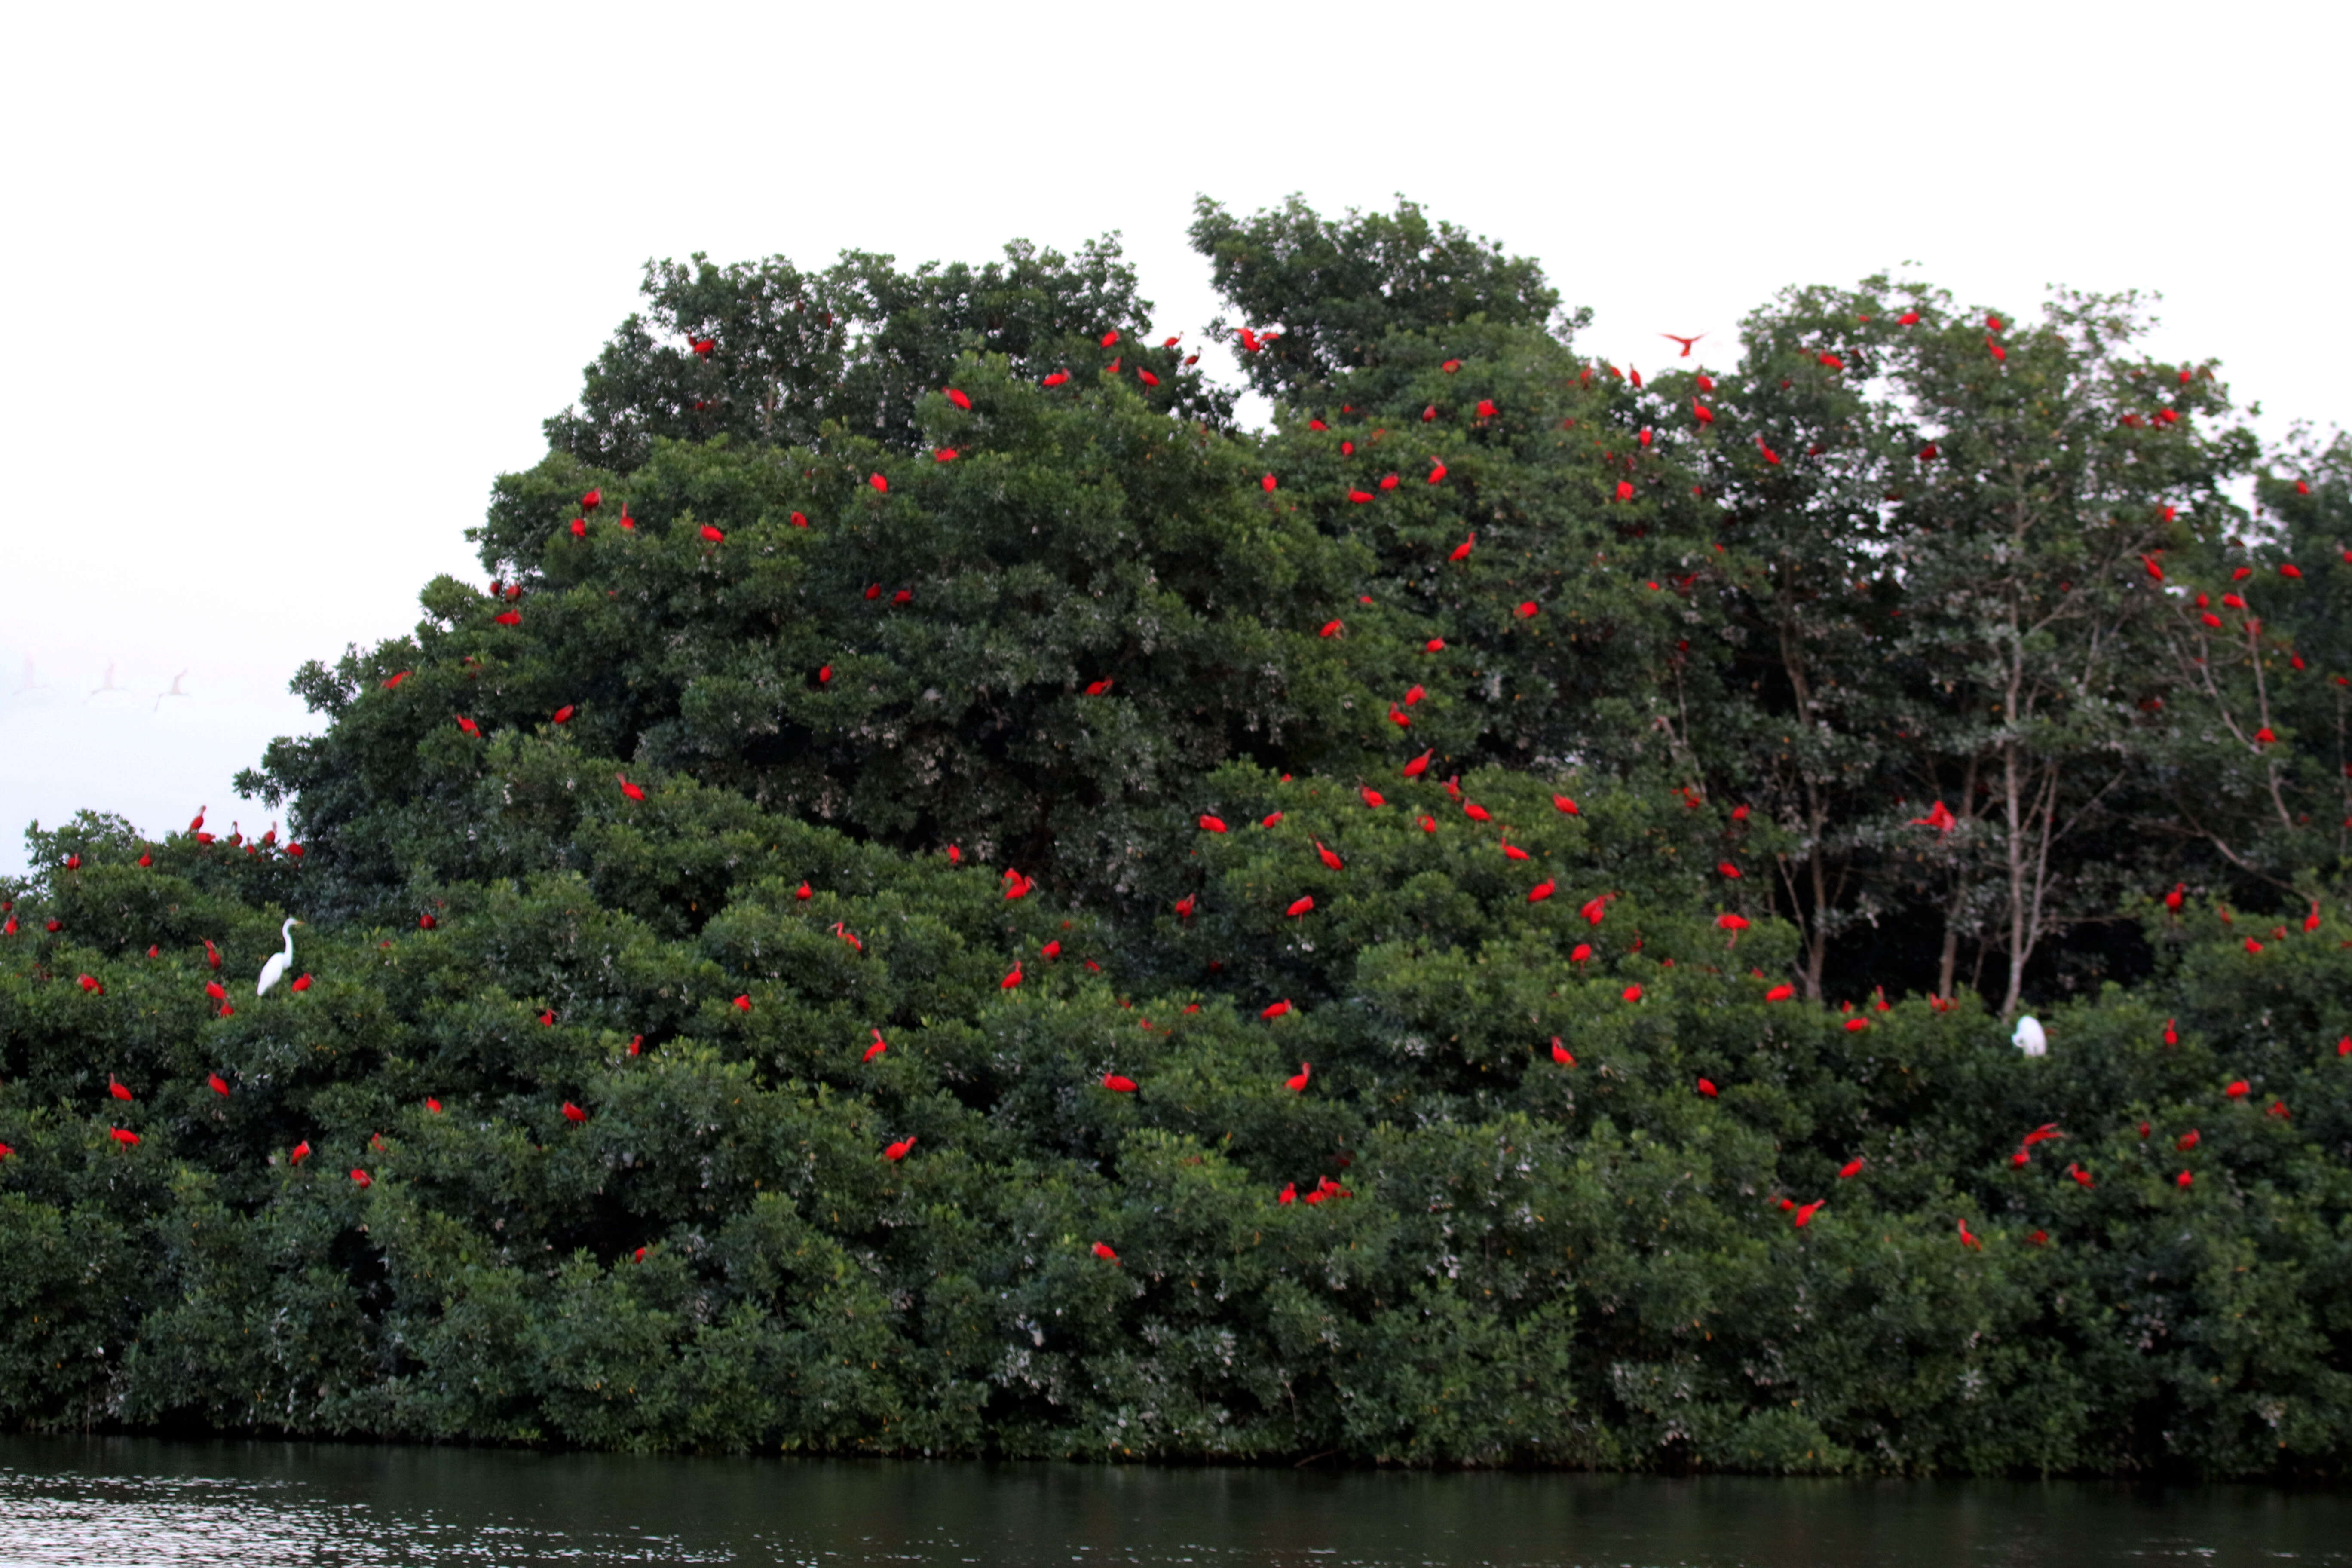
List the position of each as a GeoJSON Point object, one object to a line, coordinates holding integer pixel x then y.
{"type": "Point", "coordinates": [275, 970]}
{"type": "Point", "coordinates": [2029, 1036]}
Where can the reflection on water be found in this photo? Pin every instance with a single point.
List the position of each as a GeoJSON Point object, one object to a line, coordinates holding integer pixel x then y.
{"type": "Point", "coordinates": [129, 1501]}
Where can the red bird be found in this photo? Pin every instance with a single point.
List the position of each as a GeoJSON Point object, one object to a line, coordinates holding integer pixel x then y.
{"type": "Point", "coordinates": [1372, 798]}
{"type": "Point", "coordinates": [1850, 1170]}
{"type": "Point", "coordinates": [90, 983]}
{"type": "Point", "coordinates": [301, 983]}
{"type": "Point", "coordinates": [1296, 1082]}
{"type": "Point", "coordinates": [468, 726]}
{"type": "Point", "coordinates": [360, 1178]}
{"type": "Point", "coordinates": [2237, 1090]}
{"type": "Point", "coordinates": [1475, 812]}
{"type": "Point", "coordinates": [2046, 1131]}
{"type": "Point", "coordinates": [1779, 994]}
{"type": "Point", "coordinates": [115, 1089]}
{"type": "Point", "coordinates": [1968, 1240]}
{"type": "Point", "coordinates": [1562, 1053]}
{"type": "Point", "coordinates": [1117, 1084]}
{"type": "Point", "coordinates": [877, 1049]}
{"type": "Point", "coordinates": [958, 398]}
{"type": "Point", "coordinates": [1103, 1251]}
{"type": "Point", "coordinates": [432, 1105]}
{"type": "Point", "coordinates": [1011, 980]}
{"type": "Point", "coordinates": [1542, 891]}
{"type": "Point", "coordinates": [122, 1136]}
{"type": "Point", "coordinates": [1938, 818]}
{"type": "Point", "coordinates": [1727, 868]}
{"type": "Point", "coordinates": [2187, 1140]}
{"type": "Point", "coordinates": [632, 791]}
{"type": "Point", "coordinates": [1212, 824]}
{"type": "Point", "coordinates": [1511, 851]}
{"type": "Point", "coordinates": [897, 1152]}
{"type": "Point", "coordinates": [1301, 907]}
{"type": "Point", "coordinates": [1276, 1010]}
{"type": "Point", "coordinates": [1290, 1193]}
{"type": "Point", "coordinates": [219, 1085]}
{"type": "Point", "coordinates": [1707, 1088]}
{"type": "Point", "coordinates": [1328, 858]}
{"type": "Point", "coordinates": [743, 1003]}
{"type": "Point", "coordinates": [1806, 1212]}
{"type": "Point", "coordinates": [1462, 550]}
{"type": "Point", "coordinates": [1419, 765]}
{"type": "Point", "coordinates": [1687, 343]}
{"type": "Point", "coordinates": [573, 1113]}
{"type": "Point", "coordinates": [300, 1153]}
{"type": "Point", "coordinates": [562, 715]}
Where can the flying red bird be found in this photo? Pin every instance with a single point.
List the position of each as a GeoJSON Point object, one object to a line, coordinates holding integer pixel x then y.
{"type": "Point", "coordinates": [1687, 343]}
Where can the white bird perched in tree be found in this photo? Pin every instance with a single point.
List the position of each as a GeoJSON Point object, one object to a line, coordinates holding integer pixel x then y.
{"type": "Point", "coordinates": [275, 970]}
{"type": "Point", "coordinates": [2028, 1039]}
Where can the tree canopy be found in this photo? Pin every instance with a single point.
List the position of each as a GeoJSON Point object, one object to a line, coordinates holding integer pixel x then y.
{"type": "Point", "coordinates": [945, 897]}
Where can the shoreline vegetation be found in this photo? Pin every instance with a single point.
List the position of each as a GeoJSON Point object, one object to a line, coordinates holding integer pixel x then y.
{"type": "Point", "coordinates": [946, 899]}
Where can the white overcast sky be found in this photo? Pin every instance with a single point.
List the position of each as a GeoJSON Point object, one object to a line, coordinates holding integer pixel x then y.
{"type": "Point", "coordinates": [285, 287]}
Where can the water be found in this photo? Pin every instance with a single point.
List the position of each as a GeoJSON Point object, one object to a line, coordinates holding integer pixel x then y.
{"type": "Point", "coordinates": [129, 1501]}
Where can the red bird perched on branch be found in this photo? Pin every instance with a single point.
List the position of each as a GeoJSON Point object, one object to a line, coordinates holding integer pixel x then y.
{"type": "Point", "coordinates": [1116, 1084]}
{"type": "Point", "coordinates": [1274, 1010]}
{"type": "Point", "coordinates": [1212, 824]}
{"type": "Point", "coordinates": [573, 1113]}
{"type": "Point", "coordinates": [1102, 1249]}
{"type": "Point", "coordinates": [1300, 908]}
{"type": "Point", "coordinates": [1937, 817]}
{"type": "Point", "coordinates": [1969, 1240]}
{"type": "Point", "coordinates": [1372, 798]}
{"type": "Point", "coordinates": [1806, 1212]}
{"type": "Point", "coordinates": [1419, 765]}
{"type": "Point", "coordinates": [1296, 1082]}
{"type": "Point", "coordinates": [1541, 890]}
{"type": "Point", "coordinates": [897, 1152]}
{"type": "Point", "coordinates": [1328, 858]}
{"type": "Point", "coordinates": [1562, 1053]}
{"type": "Point", "coordinates": [114, 1088]}
{"type": "Point", "coordinates": [877, 1049]}
{"type": "Point", "coordinates": [1462, 550]}
{"type": "Point", "coordinates": [632, 791]}
{"type": "Point", "coordinates": [958, 398]}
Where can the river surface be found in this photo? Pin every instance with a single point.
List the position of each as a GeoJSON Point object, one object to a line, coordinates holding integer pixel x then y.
{"type": "Point", "coordinates": [126, 1502]}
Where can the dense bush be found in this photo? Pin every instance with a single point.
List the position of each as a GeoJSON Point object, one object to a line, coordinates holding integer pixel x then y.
{"type": "Point", "coordinates": [1219, 970]}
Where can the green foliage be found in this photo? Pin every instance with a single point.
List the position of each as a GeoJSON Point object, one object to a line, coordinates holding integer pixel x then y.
{"type": "Point", "coordinates": [783, 1018]}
